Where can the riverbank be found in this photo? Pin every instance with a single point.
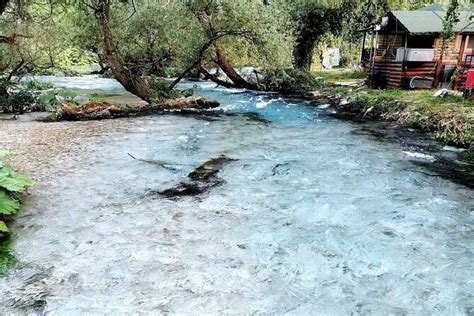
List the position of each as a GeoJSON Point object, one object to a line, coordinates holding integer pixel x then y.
{"type": "Point", "coordinates": [450, 117]}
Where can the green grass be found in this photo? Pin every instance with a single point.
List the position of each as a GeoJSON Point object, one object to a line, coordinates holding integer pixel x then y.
{"type": "Point", "coordinates": [424, 100]}
{"type": "Point", "coordinates": [451, 117]}
{"type": "Point", "coordinates": [340, 74]}
{"type": "Point", "coordinates": [7, 259]}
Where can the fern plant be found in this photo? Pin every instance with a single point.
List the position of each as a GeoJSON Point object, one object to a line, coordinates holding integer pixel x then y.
{"type": "Point", "coordinates": [12, 184]}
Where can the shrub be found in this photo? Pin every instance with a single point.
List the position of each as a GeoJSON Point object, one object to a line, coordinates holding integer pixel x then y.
{"type": "Point", "coordinates": [159, 90]}
{"type": "Point", "coordinates": [12, 185]}
{"type": "Point", "coordinates": [290, 81]}
{"type": "Point", "coordinates": [51, 100]}
{"type": "Point", "coordinates": [38, 85]}
{"type": "Point", "coordinates": [17, 102]}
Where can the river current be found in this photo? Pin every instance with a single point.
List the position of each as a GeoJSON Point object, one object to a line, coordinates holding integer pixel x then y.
{"type": "Point", "coordinates": [312, 217]}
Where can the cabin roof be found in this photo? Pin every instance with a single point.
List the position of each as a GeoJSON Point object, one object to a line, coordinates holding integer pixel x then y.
{"type": "Point", "coordinates": [430, 22]}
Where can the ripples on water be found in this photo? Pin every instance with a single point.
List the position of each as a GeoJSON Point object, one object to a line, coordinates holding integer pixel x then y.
{"type": "Point", "coordinates": [312, 219]}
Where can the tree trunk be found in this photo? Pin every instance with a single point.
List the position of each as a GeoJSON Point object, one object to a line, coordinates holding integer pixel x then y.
{"type": "Point", "coordinates": [215, 78]}
{"type": "Point", "coordinates": [233, 75]}
{"type": "Point", "coordinates": [195, 64]}
{"type": "Point", "coordinates": [133, 83]}
{"type": "Point", "coordinates": [303, 52]}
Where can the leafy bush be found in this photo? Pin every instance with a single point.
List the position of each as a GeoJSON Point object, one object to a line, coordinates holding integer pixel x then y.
{"type": "Point", "coordinates": [7, 259]}
{"type": "Point", "coordinates": [169, 72]}
{"type": "Point", "coordinates": [17, 102]}
{"type": "Point", "coordinates": [290, 81]}
{"type": "Point", "coordinates": [38, 85]}
{"type": "Point", "coordinates": [12, 185]}
{"type": "Point", "coordinates": [159, 90]}
{"type": "Point", "coordinates": [51, 100]}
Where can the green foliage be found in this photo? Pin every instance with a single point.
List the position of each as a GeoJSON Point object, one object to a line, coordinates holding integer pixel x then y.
{"type": "Point", "coordinates": [12, 185]}
{"type": "Point", "coordinates": [73, 56]}
{"type": "Point", "coordinates": [451, 18]}
{"type": "Point", "coordinates": [450, 117]}
{"type": "Point", "coordinates": [3, 229]}
{"type": "Point", "coordinates": [160, 91]}
{"type": "Point", "coordinates": [51, 100]}
{"type": "Point", "coordinates": [290, 81]}
{"type": "Point", "coordinates": [12, 181]}
{"type": "Point", "coordinates": [38, 85]}
{"type": "Point", "coordinates": [340, 74]}
{"type": "Point", "coordinates": [4, 153]}
{"type": "Point", "coordinates": [17, 102]}
{"type": "Point", "coordinates": [7, 259]}
{"type": "Point", "coordinates": [9, 205]}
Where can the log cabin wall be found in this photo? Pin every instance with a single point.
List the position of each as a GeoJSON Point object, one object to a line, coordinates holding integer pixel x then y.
{"type": "Point", "coordinates": [399, 73]}
{"type": "Point", "coordinates": [391, 72]}
{"type": "Point", "coordinates": [452, 50]}
{"type": "Point", "coordinates": [387, 45]}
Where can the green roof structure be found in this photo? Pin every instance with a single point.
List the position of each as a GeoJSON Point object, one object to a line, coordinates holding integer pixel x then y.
{"type": "Point", "coordinates": [431, 22]}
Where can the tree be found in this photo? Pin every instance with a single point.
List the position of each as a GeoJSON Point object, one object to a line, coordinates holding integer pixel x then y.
{"type": "Point", "coordinates": [314, 19]}
{"type": "Point", "coordinates": [133, 82]}
{"type": "Point", "coordinates": [236, 33]}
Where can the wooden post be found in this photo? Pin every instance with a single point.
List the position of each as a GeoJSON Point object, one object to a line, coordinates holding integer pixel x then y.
{"type": "Point", "coordinates": [371, 56]}
{"type": "Point", "coordinates": [363, 47]}
{"type": "Point", "coordinates": [439, 66]}
{"type": "Point", "coordinates": [459, 66]}
{"type": "Point", "coordinates": [375, 51]}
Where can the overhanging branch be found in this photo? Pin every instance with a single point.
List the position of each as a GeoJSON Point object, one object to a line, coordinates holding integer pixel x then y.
{"type": "Point", "coordinates": [7, 39]}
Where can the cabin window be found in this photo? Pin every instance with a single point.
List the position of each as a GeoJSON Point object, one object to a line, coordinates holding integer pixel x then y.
{"type": "Point", "coordinates": [470, 42]}
{"type": "Point", "coordinates": [420, 41]}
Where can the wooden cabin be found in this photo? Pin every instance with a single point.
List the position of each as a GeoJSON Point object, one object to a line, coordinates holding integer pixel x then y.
{"type": "Point", "coordinates": [405, 50]}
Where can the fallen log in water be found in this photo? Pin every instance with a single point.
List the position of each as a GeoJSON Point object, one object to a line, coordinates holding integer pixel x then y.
{"type": "Point", "coordinates": [106, 110]}
{"type": "Point", "coordinates": [200, 180]}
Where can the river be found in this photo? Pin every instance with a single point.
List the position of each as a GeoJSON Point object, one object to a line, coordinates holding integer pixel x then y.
{"type": "Point", "coordinates": [311, 217]}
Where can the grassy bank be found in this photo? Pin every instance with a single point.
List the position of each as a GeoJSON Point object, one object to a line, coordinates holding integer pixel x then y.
{"type": "Point", "coordinates": [450, 117]}
{"type": "Point", "coordinates": [340, 75]}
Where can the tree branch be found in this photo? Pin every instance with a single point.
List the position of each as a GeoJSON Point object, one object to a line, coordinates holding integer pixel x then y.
{"type": "Point", "coordinates": [7, 39]}
{"type": "Point", "coordinates": [15, 70]}
{"type": "Point", "coordinates": [216, 79]}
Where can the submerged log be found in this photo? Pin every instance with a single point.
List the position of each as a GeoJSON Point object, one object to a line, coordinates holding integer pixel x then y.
{"type": "Point", "coordinates": [199, 181]}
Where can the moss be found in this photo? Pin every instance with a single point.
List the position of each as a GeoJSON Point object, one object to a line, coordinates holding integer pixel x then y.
{"type": "Point", "coordinates": [7, 259]}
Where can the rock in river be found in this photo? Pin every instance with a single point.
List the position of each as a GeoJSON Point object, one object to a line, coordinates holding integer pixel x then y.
{"type": "Point", "coordinates": [200, 179]}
